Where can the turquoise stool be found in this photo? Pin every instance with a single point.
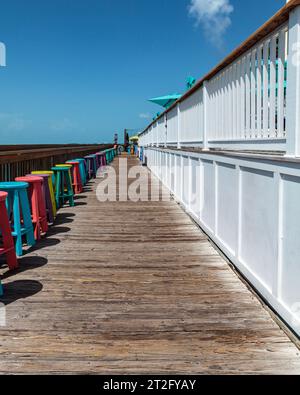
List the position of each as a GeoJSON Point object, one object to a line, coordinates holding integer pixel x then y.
{"type": "Point", "coordinates": [17, 202]}
{"type": "Point", "coordinates": [63, 186]}
{"type": "Point", "coordinates": [108, 156]}
{"type": "Point", "coordinates": [91, 165]}
{"type": "Point", "coordinates": [82, 168]}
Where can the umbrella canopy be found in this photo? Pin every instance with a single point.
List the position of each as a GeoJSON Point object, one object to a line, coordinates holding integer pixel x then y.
{"type": "Point", "coordinates": [134, 138]}
{"type": "Point", "coordinates": [165, 101]}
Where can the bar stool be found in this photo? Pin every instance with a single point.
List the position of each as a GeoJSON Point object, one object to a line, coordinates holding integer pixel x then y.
{"type": "Point", "coordinates": [91, 165]}
{"type": "Point", "coordinates": [82, 167]}
{"type": "Point", "coordinates": [101, 158]}
{"type": "Point", "coordinates": [46, 196]}
{"type": "Point", "coordinates": [17, 202]}
{"type": "Point", "coordinates": [8, 247]}
{"type": "Point", "coordinates": [38, 204]}
{"type": "Point", "coordinates": [51, 183]}
{"type": "Point", "coordinates": [76, 177]}
{"type": "Point", "coordinates": [63, 190]}
{"type": "Point", "coordinates": [107, 156]}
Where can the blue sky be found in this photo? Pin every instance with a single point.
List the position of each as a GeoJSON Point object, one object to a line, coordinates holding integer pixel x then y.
{"type": "Point", "coordinates": [80, 70]}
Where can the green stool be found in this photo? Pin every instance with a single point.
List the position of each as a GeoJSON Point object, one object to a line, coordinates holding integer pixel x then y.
{"type": "Point", "coordinates": [63, 186]}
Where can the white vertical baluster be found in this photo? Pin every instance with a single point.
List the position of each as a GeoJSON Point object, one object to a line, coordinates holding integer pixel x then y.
{"type": "Point", "coordinates": [265, 133]}
{"type": "Point", "coordinates": [280, 83]}
{"type": "Point", "coordinates": [247, 93]}
{"type": "Point", "coordinates": [272, 86]}
{"type": "Point", "coordinates": [253, 95]}
{"type": "Point", "coordinates": [259, 92]}
{"type": "Point", "coordinates": [243, 98]}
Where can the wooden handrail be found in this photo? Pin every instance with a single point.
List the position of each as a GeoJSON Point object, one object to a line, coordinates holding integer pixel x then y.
{"type": "Point", "coordinates": [13, 156]}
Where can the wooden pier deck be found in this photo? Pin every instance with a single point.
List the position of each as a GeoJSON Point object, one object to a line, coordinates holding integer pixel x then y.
{"type": "Point", "coordinates": [123, 288]}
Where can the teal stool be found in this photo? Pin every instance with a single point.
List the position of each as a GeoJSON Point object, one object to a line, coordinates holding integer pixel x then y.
{"type": "Point", "coordinates": [63, 186]}
{"type": "Point", "coordinates": [82, 169]}
{"type": "Point", "coordinates": [1, 289]}
{"type": "Point", "coordinates": [108, 156]}
{"type": "Point", "coordinates": [17, 202]}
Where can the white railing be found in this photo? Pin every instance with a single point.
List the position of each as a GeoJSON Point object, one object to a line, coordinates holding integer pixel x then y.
{"type": "Point", "coordinates": [247, 99]}
{"type": "Point", "coordinates": [244, 102]}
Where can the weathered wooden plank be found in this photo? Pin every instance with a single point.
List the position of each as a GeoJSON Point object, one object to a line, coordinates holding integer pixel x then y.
{"type": "Point", "coordinates": [134, 288]}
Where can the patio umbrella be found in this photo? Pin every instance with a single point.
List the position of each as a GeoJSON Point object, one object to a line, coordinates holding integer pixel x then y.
{"type": "Point", "coordinates": [134, 138]}
{"type": "Point", "coordinates": [165, 101]}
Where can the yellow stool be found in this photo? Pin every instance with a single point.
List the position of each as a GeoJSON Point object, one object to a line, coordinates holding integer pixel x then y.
{"type": "Point", "coordinates": [51, 187]}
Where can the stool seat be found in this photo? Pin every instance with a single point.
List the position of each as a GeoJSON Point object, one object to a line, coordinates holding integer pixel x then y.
{"type": "Point", "coordinates": [3, 196]}
{"type": "Point", "coordinates": [13, 185]}
{"type": "Point", "coordinates": [33, 178]}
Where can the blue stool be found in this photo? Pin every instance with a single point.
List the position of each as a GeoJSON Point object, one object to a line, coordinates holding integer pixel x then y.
{"type": "Point", "coordinates": [17, 202]}
{"type": "Point", "coordinates": [82, 169]}
{"type": "Point", "coordinates": [91, 165]}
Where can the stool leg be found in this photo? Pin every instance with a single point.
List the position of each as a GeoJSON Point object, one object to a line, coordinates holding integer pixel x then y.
{"type": "Point", "coordinates": [27, 218]}
{"type": "Point", "coordinates": [58, 189]}
{"type": "Point", "coordinates": [70, 191]}
{"type": "Point", "coordinates": [17, 224]}
{"type": "Point", "coordinates": [8, 242]}
{"type": "Point", "coordinates": [53, 201]}
{"type": "Point", "coordinates": [1, 289]}
{"type": "Point", "coordinates": [35, 214]}
{"type": "Point", "coordinates": [95, 168]}
{"type": "Point", "coordinates": [41, 196]}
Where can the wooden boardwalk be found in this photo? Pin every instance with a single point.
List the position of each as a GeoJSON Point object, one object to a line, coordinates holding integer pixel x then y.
{"type": "Point", "coordinates": [125, 288]}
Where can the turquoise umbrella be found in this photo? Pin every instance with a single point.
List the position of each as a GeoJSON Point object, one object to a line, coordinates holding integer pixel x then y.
{"type": "Point", "coordinates": [165, 101]}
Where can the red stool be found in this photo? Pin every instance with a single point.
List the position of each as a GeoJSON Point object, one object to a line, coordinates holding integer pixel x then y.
{"type": "Point", "coordinates": [76, 177]}
{"type": "Point", "coordinates": [8, 247]}
{"type": "Point", "coordinates": [38, 204]}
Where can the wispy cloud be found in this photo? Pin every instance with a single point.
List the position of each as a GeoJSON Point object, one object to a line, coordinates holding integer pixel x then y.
{"type": "Point", "coordinates": [214, 16]}
{"type": "Point", "coordinates": [145, 116]}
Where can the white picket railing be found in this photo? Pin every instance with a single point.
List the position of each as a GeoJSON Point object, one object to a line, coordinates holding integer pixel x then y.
{"type": "Point", "coordinates": [247, 99]}
{"type": "Point", "coordinates": [244, 104]}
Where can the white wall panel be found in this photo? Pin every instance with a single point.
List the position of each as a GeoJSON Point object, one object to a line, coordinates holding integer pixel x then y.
{"type": "Point", "coordinates": [227, 205]}
{"type": "Point", "coordinates": [259, 230]}
{"type": "Point", "coordinates": [208, 186]}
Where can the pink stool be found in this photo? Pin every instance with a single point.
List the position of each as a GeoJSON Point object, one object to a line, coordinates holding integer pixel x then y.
{"type": "Point", "coordinates": [38, 204]}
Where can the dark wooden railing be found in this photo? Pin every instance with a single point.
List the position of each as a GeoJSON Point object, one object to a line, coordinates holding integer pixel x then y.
{"type": "Point", "coordinates": [20, 160]}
